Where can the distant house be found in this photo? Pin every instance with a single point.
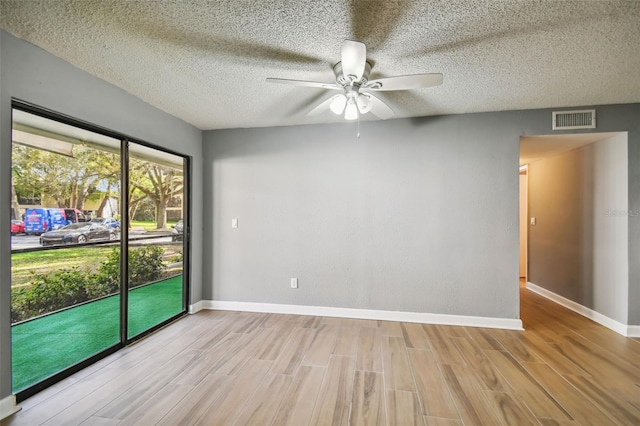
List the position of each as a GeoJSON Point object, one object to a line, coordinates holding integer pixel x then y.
{"type": "Point", "coordinates": [93, 203]}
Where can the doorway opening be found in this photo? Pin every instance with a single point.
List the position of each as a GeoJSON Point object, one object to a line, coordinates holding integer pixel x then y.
{"type": "Point", "coordinates": [573, 220]}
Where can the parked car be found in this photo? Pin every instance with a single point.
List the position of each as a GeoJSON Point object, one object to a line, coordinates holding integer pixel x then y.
{"type": "Point", "coordinates": [78, 233]}
{"type": "Point", "coordinates": [17, 227]}
{"type": "Point", "coordinates": [107, 221]}
{"type": "Point", "coordinates": [177, 231]}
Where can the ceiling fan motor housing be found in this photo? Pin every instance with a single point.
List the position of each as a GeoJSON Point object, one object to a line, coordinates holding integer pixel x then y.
{"type": "Point", "coordinates": [345, 80]}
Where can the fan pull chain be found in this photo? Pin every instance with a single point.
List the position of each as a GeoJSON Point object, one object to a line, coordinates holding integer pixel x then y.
{"type": "Point", "coordinates": [358, 134]}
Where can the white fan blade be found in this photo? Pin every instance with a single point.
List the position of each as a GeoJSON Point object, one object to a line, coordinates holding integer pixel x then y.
{"type": "Point", "coordinates": [379, 108]}
{"type": "Point", "coordinates": [354, 57]}
{"type": "Point", "coordinates": [304, 83]}
{"type": "Point", "coordinates": [404, 82]}
{"type": "Point", "coordinates": [323, 106]}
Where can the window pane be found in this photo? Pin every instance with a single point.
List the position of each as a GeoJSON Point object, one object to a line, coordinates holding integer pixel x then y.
{"type": "Point", "coordinates": [156, 199]}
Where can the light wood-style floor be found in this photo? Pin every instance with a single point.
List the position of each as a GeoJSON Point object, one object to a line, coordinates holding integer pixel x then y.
{"type": "Point", "coordinates": [264, 369]}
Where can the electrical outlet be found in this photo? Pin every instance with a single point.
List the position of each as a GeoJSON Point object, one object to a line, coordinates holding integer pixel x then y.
{"type": "Point", "coordinates": [294, 283]}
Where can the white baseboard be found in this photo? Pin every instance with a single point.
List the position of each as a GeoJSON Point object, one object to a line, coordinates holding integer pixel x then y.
{"type": "Point", "coordinates": [324, 311]}
{"type": "Point", "coordinates": [8, 406]}
{"type": "Point", "coordinates": [633, 331]}
{"type": "Point", "coordinates": [618, 327]}
{"type": "Point", "coordinates": [195, 308]}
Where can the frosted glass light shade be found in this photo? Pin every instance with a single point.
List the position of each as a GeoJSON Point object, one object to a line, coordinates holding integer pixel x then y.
{"type": "Point", "coordinates": [351, 111]}
{"type": "Point", "coordinates": [338, 104]}
{"type": "Point", "coordinates": [364, 104]}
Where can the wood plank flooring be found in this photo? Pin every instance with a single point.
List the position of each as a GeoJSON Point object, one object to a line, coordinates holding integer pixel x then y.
{"type": "Point", "coordinates": [225, 368]}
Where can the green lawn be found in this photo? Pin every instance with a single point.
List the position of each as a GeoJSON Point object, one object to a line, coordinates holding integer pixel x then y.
{"type": "Point", "coordinates": [23, 264]}
{"type": "Point", "coordinates": [150, 225]}
{"type": "Point", "coordinates": [46, 345]}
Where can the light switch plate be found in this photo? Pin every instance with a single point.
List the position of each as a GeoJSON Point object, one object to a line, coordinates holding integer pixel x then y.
{"type": "Point", "coordinates": [533, 221]}
{"type": "Point", "coordinates": [234, 223]}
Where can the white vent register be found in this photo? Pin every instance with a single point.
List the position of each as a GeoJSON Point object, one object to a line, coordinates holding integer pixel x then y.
{"type": "Point", "coordinates": [571, 120]}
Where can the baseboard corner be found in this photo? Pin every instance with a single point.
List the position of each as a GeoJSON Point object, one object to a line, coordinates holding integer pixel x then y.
{"type": "Point", "coordinates": [195, 308]}
{"type": "Point", "coordinates": [633, 331]}
{"type": "Point", "coordinates": [8, 406]}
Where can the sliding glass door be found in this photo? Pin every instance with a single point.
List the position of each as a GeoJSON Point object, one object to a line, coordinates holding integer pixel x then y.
{"type": "Point", "coordinates": [98, 243]}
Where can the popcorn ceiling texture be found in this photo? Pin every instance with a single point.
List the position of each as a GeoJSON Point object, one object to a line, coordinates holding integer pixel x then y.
{"type": "Point", "coordinates": [206, 61]}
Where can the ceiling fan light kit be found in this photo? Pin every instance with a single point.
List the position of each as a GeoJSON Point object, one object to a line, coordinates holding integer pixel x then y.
{"type": "Point", "coordinates": [338, 103]}
{"type": "Point", "coordinates": [364, 103]}
{"type": "Point", "coordinates": [351, 111]}
{"type": "Point", "coordinates": [352, 78]}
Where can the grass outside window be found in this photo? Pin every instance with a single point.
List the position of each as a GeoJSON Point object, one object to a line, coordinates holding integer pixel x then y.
{"type": "Point", "coordinates": [24, 264]}
{"type": "Point", "coordinates": [44, 346]}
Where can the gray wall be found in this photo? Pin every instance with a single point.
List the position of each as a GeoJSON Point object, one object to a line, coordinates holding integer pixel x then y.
{"type": "Point", "coordinates": [33, 75]}
{"type": "Point", "coordinates": [417, 215]}
{"type": "Point", "coordinates": [579, 245]}
{"type": "Point", "coordinates": [407, 218]}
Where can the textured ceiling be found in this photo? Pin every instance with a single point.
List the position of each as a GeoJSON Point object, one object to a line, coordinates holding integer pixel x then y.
{"type": "Point", "coordinates": [206, 61]}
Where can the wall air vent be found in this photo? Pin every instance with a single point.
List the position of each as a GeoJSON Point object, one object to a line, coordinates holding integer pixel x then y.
{"type": "Point", "coordinates": [571, 120]}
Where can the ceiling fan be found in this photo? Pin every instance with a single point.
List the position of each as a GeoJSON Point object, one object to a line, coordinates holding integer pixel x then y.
{"type": "Point", "coordinates": [352, 79]}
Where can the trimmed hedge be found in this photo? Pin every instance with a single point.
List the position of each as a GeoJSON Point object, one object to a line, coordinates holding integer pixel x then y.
{"type": "Point", "coordinates": [52, 291]}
